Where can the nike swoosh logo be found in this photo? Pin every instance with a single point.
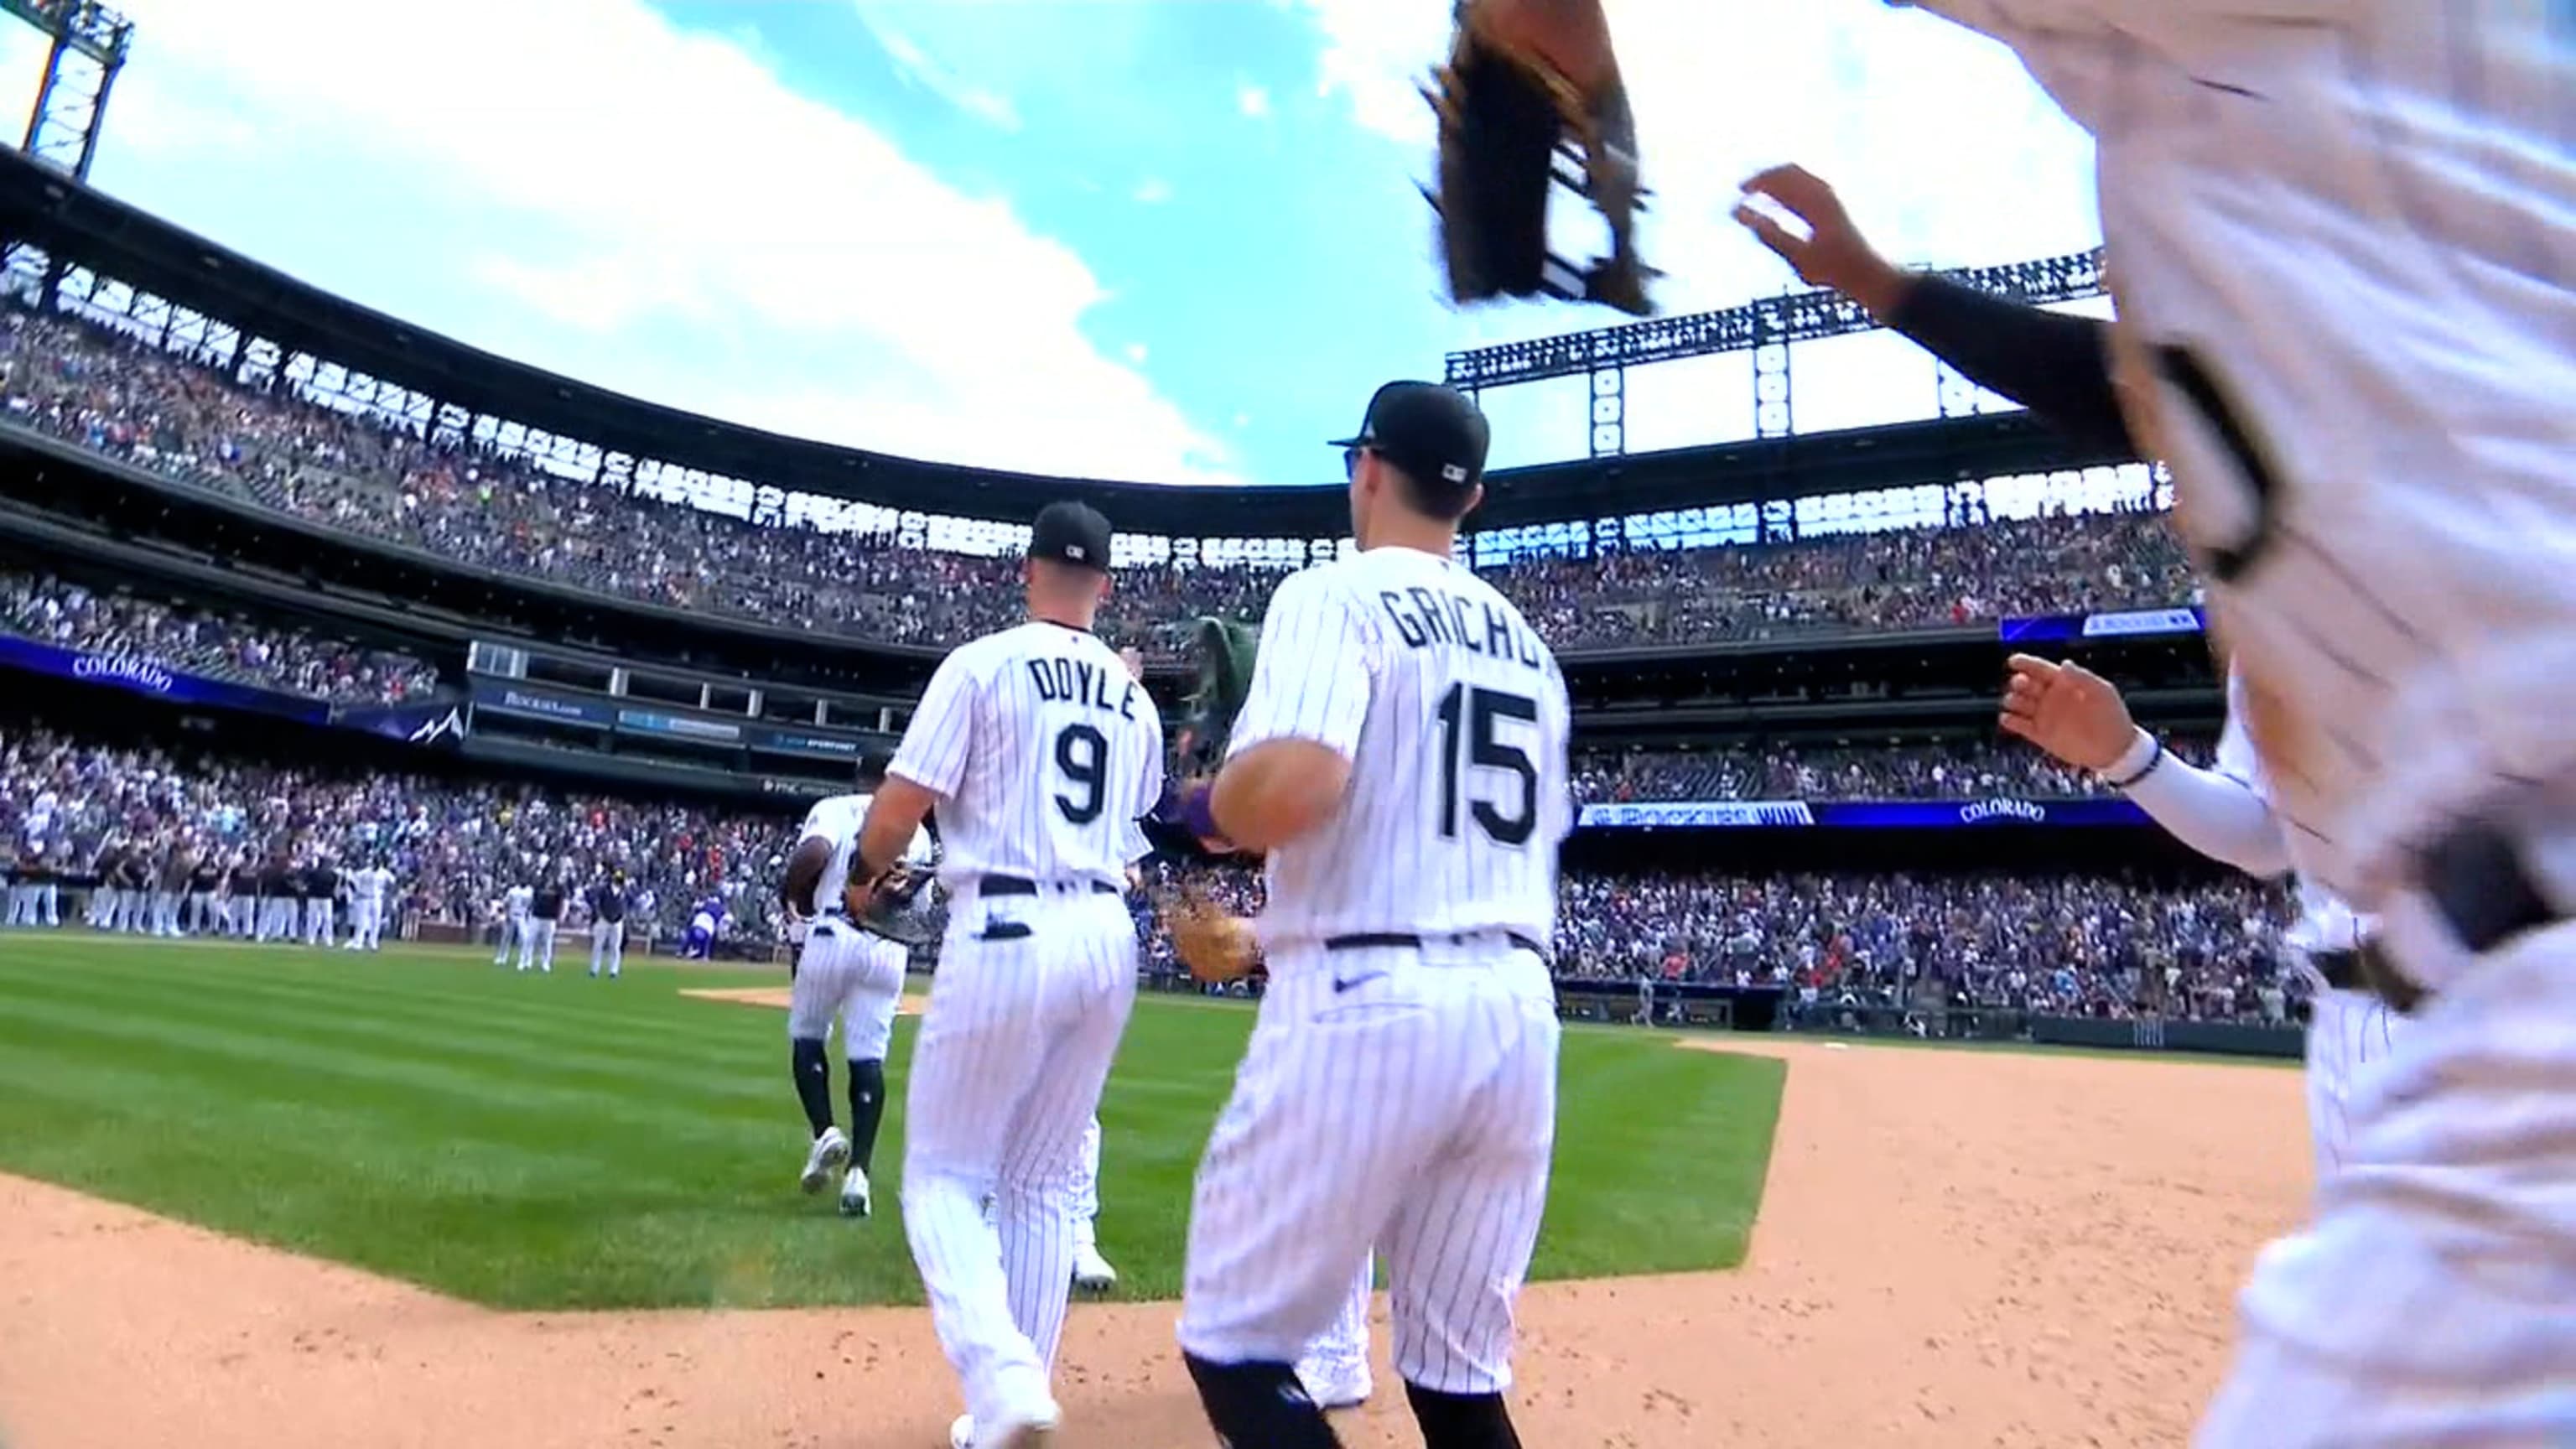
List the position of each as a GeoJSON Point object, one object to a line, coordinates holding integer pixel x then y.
{"type": "Point", "coordinates": [1341, 984]}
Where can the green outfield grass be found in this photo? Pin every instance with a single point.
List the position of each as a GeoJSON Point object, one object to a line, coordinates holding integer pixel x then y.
{"type": "Point", "coordinates": [558, 1142]}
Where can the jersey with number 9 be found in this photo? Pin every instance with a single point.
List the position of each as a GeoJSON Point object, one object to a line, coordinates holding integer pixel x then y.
{"type": "Point", "coordinates": [1453, 716]}
{"type": "Point", "coordinates": [1043, 750]}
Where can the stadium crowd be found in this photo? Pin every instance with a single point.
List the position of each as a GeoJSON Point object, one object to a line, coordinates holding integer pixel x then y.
{"type": "Point", "coordinates": [129, 399]}
{"type": "Point", "coordinates": [210, 642]}
{"type": "Point", "coordinates": [2069, 943]}
{"type": "Point", "coordinates": [1918, 770]}
{"type": "Point", "coordinates": [455, 848]}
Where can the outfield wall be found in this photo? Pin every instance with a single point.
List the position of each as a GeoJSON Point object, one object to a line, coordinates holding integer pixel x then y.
{"type": "Point", "coordinates": [1704, 1006]}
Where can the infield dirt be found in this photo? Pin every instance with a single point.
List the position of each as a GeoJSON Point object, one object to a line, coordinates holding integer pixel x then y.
{"type": "Point", "coordinates": [1960, 1249]}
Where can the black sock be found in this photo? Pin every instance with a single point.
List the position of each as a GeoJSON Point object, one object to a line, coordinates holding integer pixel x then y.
{"type": "Point", "coordinates": [813, 1071]}
{"type": "Point", "coordinates": [1259, 1405]}
{"type": "Point", "coordinates": [867, 1109]}
{"type": "Point", "coordinates": [1461, 1421]}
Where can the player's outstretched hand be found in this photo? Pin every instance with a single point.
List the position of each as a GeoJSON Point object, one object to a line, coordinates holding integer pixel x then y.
{"type": "Point", "coordinates": [1833, 253]}
{"type": "Point", "coordinates": [2067, 710]}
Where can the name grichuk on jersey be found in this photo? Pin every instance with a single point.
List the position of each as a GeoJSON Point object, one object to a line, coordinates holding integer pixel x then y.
{"type": "Point", "coordinates": [837, 820]}
{"type": "Point", "coordinates": [1453, 715]}
{"type": "Point", "coordinates": [1044, 752]}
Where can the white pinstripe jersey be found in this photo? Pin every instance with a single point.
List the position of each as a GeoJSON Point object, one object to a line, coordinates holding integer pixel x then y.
{"type": "Point", "coordinates": [2343, 243]}
{"type": "Point", "coordinates": [837, 819]}
{"type": "Point", "coordinates": [1454, 718]}
{"type": "Point", "coordinates": [2325, 922]}
{"type": "Point", "coordinates": [1043, 752]}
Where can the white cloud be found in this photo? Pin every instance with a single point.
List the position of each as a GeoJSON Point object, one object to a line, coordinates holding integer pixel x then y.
{"type": "Point", "coordinates": [1941, 144]}
{"type": "Point", "coordinates": [1251, 100]}
{"type": "Point", "coordinates": [920, 68]}
{"type": "Point", "coordinates": [1135, 353]}
{"type": "Point", "coordinates": [640, 207]}
{"type": "Point", "coordinates": [1152, 191]}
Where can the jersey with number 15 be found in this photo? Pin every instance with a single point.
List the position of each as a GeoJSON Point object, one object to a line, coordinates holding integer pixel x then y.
{"type": "Point", "coordinates": [1454, 718]}
{"type": "Point", "coordinates": [1043, 751]}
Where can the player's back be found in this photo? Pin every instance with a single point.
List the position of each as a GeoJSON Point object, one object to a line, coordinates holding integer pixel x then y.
{"type": "Point", "coordinates": [1045, 751]}
{"type": "Point", "coordinates": [837, 819]}
{"type": "Point", "coordinates": [1460, 789]}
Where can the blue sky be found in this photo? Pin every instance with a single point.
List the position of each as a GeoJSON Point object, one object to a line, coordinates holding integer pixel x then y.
{"type": "Point", "coordinates": [1162, 239]}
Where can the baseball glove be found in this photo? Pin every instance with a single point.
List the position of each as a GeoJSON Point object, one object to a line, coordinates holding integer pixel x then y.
{"type": "Point", "coordinates": [1215, 944]}
{"type": "Point", "coordinates": [1226, 651]}
{"type": "Point", "coordinates": [1508, 112]}
{"type": "Point", "coordinates": [890, 908]}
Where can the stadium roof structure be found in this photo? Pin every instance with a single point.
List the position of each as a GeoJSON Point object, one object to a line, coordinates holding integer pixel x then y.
{"type": "Point", "coordinates": [76, 226]}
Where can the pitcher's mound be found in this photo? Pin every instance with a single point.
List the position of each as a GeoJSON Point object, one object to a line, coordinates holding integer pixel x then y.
{"type": "Point", "coordinates": [776, 997]}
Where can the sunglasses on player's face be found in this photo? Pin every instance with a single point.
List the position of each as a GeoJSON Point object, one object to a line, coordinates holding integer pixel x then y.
{"type": "Point", "coordinates": [1351, 461]}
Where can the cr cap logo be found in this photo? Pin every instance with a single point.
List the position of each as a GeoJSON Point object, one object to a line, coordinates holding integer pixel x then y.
{"type": "Point", "coordinates": [1453, 473]}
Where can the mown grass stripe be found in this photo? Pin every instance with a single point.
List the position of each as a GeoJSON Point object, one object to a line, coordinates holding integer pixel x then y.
{"type": "Point", "coordinates": [534, 1141]}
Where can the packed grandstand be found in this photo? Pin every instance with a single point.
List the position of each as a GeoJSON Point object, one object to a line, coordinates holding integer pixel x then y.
{"type": "Point", "coordinates": [1848, 666]}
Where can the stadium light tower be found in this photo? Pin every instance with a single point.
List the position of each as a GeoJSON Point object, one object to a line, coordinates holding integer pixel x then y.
{"type": "Point", "coordinates": [89, 44]}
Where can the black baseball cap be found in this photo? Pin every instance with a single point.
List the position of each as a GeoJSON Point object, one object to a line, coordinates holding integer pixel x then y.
{"type": "Point", "coordinates": [1071, 533]}
{"type": "Point", "coordinates": [1431, 432]}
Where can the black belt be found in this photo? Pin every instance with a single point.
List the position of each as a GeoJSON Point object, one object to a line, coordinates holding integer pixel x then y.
{"type": "Point", "coordinates": [1020, 885]}
{"type": "Point", "coordinates": [1407, 940]}
{"type": "Point", "coordinates": [2478, 882]}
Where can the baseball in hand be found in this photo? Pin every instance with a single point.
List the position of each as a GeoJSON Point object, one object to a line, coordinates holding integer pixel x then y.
{"type": "Point", "coordinates": [2067, 710]}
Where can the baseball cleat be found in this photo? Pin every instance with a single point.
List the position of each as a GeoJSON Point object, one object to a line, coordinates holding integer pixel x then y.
{"type": "Point", "coordinates": [1335, 1386]}
{"type": "Point", "coordinates": [831, 1151]}
{"type": "Point", "coordinates": [1028, 1428]}
{"type": "Point", "coordinates": [854, 1194]}
{"type": "Point", "coordinates": [1091, 1272]}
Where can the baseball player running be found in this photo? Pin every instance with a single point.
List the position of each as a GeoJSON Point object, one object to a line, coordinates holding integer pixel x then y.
{"type": "Point", "coordinates": [2342, 235]}
{"type": "Point", "coordinates": [2225, 814]}
{"type": "Point", "coordinates": [1039, 751]}
{"type": "Point", "coordinates": [846, 971]}
{"type": "Point", "coordinates": [1401, 761]}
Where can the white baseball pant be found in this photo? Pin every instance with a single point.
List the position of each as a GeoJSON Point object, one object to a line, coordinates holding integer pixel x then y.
{"type": "Point", "coordinates": [1398, 1097]}
{"type": "Point", "coordinates": [2348, 1033]}
{"type": "Point", "coordinates": [366, 923]}
{"type": "Point", "coordinates": [1341, 1353]}
{"type": "Point", "coordinates": [2433, 1299]}
{"type": "Point", "coordinates": [22, 905]}
{"type": "Point", "coordinates": [853, 975]}
{"type": "Point", "coordinates": [608, 944]}
{"type": "Point", "coordinates": [165, 913]}
{"type": "Point", "coordinates": [1025, 1012]}
{"type": "Point", "coordinates": [1085, 1190]}
{"type": "Point", "coordinates": [512, 929]}
{"type": "Point", "coordinates": [318, 929]}
{"type": "Point", "coordinates": [537, 944]}
{"type": "Point", "coordinates": [128, 910]}
{"type": "Point", "coordinates": [276, 918]}
{"type": "Point", "coordinates": [204, 917]}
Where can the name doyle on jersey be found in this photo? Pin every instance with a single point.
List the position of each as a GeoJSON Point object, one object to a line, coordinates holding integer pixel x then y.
{"type": "Point", "coordinates": [1079, 681]}
{"type": "Point", "coordinates": [1424, 617]}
